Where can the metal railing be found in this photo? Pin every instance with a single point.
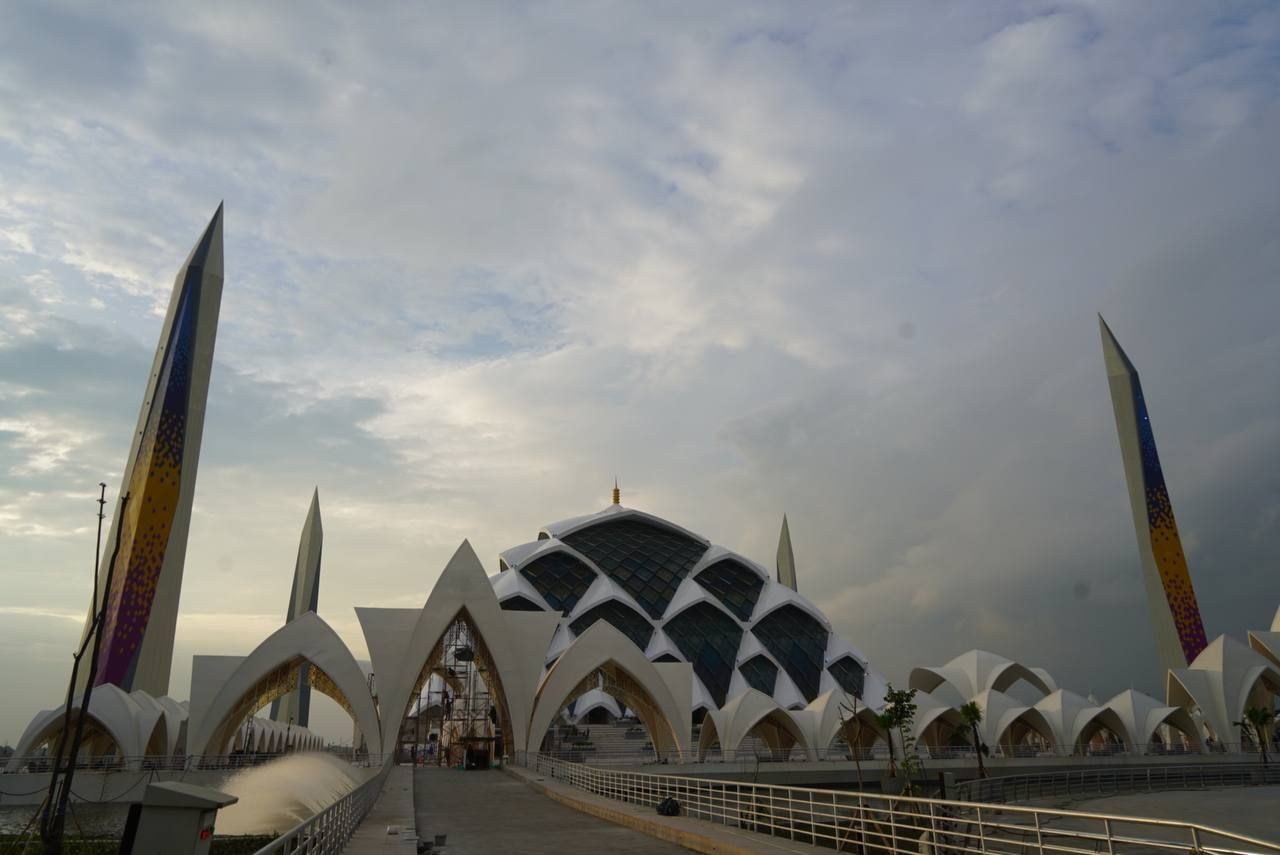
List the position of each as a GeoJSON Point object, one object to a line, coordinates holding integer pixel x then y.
{"type": "Point", "coordinates": [750, 754]}
{"type": "Point", "coordinates": [327, 832]}
{"type": "Point", "coordinates": [1112, 780]}
{"type": "Point", "coordinates": [857, 821]}
{"type": "Point", "coordinates": [177, 762]}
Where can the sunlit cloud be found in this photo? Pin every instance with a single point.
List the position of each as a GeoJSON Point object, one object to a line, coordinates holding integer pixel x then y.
{"type": "Point", "coordinates": [750, 259]}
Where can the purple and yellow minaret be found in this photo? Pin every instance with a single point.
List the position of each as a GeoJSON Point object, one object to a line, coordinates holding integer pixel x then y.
{"type": "Point", "coordinates": [1175, 616]}
{"type": "Point", "coordinates": [160, 476]}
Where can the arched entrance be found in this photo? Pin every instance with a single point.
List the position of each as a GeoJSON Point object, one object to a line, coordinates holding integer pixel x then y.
{"type": "Point", "coordinates": [603, 659]}
{"type": "Point", "coordinates": [748, 717]}
{"type": "Point", "coordinates": [457, 712]}
{"type": "Point", "coordinates": [270, 672]}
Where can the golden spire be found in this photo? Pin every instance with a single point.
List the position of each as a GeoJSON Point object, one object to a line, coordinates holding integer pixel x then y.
{"type": "Point", "coordinates": [617, 494]}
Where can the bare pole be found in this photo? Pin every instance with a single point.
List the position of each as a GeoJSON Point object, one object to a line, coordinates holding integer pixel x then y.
{"type": "Point", "coordinates": [75, 668]}
{"type": "Point", "coordinates": [53, 835]}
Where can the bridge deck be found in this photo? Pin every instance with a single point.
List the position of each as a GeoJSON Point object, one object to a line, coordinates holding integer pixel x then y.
{"type": "Point", "coordinates": [394, 807]}
{"type": "Point", "coordinates": [491, 812]}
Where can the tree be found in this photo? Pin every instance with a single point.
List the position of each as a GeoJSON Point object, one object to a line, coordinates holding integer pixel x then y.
{"type": "Point", "coordinates": [1255, 725]}
{"type": "Point", "coordinates": [898, 715]}
{"type": "Point", "coordinates": [885, 721]}
{"type": "Point", "coordinates": [971, 713]}
{"type": "Point", "coordinates": [852, 730]}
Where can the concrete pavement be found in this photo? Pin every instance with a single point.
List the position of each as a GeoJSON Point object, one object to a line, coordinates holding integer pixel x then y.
{"type": "Point", "coordinates": [491, 812]}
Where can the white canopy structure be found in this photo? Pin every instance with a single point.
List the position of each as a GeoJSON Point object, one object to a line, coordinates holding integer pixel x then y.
{"type": "Point", "coordinates": [974, 672]}
{"type": "Point", "coordinates": [1268, 642]}
{"type": "Point", "coordinates": [1140, 717]}
{"type": "Point", "coordinates": [754, 711]}
{"type": "Point", "coordinates": [658, 692]}
{"type": "Point", "coordinates": [1225, 680]}
{"type": "Point", "coordinates": [1074, 719]}
{"type": "Point", "coordinates": [119, 723]}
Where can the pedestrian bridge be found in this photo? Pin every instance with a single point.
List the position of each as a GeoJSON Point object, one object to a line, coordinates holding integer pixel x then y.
{"type": "Point", "coordinates": [552, 805]}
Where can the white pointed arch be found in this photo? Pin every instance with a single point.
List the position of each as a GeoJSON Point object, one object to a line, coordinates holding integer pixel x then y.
{"type": "Point", "coordinates": [153, 726]}
{"type": "Point", "coordinates": [1267, 643]}
{"type": "Point", "coordinates": [978, 671]}
{"type": "Point", "coordinates": [774, 596]}
{"type": "Point", "coordinates": [825, 718]}
{"type": "Point", "coordinates": [175, 719]}
{"type": "Point", "coordinates": [596, 699]}
{"type": "Point", "coordinates": [934, 718]}
{"type": "Point", "coordinates": [403, 646]}
{"type": "Point", "coordinates": [111, 712]}
{"type": "Point", "coordinates": [649, 689]}
{"type": "Point", "coordinates": [1226, 678]}
{"type": "Point", "coordinates": [752, 710]}
{"type": "Point", "coordinates": [1005, 720]}
{"type": "Point", "coordinates": [1141, 715]}
{"type": "Point", "coordinates": [1071, 717]}
{"type": "Point", "coordinates": [271, 670]}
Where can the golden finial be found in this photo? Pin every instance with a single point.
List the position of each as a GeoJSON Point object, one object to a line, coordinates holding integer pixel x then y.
{"type": "Point", "coordinates": [617, 494]}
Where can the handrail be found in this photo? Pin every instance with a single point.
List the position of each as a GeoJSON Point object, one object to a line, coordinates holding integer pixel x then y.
{"type": "Point", "coordinates": [898, 824]}
{"type": "Point", "coordinates": [327, 832]}
{"type": "Point", "coordinates": [175, 762]}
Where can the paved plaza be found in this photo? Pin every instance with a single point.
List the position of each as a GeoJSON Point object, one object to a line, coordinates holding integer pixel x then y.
{"type": "Point", "coordinates": [1251, 811]}
{"type": "Point", "coordinates": [487, 812]}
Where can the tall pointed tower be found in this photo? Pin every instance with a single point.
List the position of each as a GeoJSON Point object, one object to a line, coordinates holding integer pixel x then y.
{"type": "Point", "coordinates": [295, 706]}
{"type": "Point", "coordinates": [1175, 616]}
{"type": "Point", "coordinates": [786, 558]}
{"type": "Point", "coordinates": [160, 476]}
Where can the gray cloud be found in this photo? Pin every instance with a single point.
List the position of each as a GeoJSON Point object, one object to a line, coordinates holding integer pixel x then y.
{"type": "Point", "coordinates": [480, 260]}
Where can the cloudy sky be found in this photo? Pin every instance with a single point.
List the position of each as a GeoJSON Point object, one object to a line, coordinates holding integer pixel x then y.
{"type": "Point", "coordinates": [842, 261]}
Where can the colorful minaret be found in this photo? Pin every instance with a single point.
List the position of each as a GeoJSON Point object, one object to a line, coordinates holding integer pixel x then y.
{"type": "Point", "coordinates": [1175, 616]}
{"type": "Point", "coordinates": [295, 707]}
{"type": "Point", "coordinates": [160, 476]}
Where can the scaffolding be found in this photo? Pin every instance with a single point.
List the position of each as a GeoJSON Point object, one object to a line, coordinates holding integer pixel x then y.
{"type": "Point", "coordinates": [454, 720]}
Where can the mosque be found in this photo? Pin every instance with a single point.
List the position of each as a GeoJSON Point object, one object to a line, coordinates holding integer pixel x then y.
{"type": "Point", "coordinates": [620, 618]}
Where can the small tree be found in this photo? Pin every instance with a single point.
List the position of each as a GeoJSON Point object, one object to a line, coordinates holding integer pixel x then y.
{"type": "Point", "coordinates": [971, 713]}
{"type": "Point", "coordinates": [1254, 725]}
{"type": "Point", "coordinates": [885, 722]}
{"type": "Point", "coordinates": [898, 716]}
{"type": "Point", "coordinates": [852, 730]}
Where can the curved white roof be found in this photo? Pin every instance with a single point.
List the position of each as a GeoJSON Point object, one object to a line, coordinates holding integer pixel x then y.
{"type": "Point", "coordinates": [1225, 679]}
{"type": "Point", "coordinates": [1068, 715]}
{"type": "Point", "coordinates": [129, 719]}
{"type": "Point", "coordinates": [1140, 715]}
{"type": "Point", "coordinates": [979, 671]}
{"type": "Point", "coordinates": [674, 595]}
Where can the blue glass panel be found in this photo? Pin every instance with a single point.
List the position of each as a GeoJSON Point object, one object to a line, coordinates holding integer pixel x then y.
{"type": "Point", "coordinates": [520, 604]}
{"type": "Point", "coordinates": [760, 673]}
{"type": "Point", "coordinates": [798, 642]}
{"type": "Point", "coordinates": [709, 639]}
{"type": "Point", "coordinates": [733, 584]}
{"type": "Point", "coordinates": [648, 561]}
{"type": "Point", "coordinates": [628, 621]}
{"type": "Point", "coordinates": [849, 674]}
{"type": "Point", "coordinates": [560, 578]}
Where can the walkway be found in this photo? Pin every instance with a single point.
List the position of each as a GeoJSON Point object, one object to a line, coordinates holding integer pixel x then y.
{"type": "Point", "coordinates": [491, 812]}
{"type": "Point", "coordinates": [394, 807]}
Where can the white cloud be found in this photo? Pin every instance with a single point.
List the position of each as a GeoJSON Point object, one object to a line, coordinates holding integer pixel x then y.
{"type": "Point", "coordinates": [840, 260]}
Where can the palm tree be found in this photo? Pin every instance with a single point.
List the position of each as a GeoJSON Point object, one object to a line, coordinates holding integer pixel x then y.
{"type": "Point", "coordinates": [971, 713]}
{"type": "Point", "coordinates": [1255, 724]}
